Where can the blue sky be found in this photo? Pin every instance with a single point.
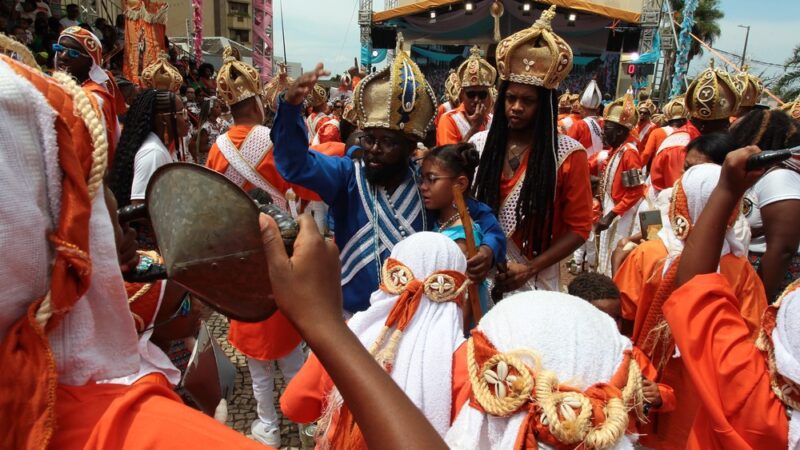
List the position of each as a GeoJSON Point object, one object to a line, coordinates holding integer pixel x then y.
{"type": "Point", "coordinates": [327, 30]}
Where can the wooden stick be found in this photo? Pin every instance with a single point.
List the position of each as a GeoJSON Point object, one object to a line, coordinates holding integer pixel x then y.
{"type": "Point", "coordinates": [473, 310]}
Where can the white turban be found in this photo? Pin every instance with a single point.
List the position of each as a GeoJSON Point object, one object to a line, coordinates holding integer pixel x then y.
{"type": "Point", "coordinates": [575, 340]}
{"type": "Point", "coordinates": [423, 364]}
{"type": "Point", "coordinates": [591, 97]}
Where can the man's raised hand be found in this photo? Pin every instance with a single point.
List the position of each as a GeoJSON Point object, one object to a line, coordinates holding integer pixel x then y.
{"type": "Point", "coordinates": [303, 85]}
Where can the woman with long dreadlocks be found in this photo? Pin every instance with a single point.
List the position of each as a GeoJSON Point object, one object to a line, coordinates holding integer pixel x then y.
{"type": "Point", "coordinates": [536, 180]}
{"type": "Point", "coordinates": [152, 136]}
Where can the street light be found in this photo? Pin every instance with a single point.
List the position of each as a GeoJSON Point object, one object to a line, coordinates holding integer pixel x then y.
{"type": "Point", "coordinates": [469, 6]}
{"type": "Point", "coordinates": [746, 37]}
{"type": "Point", "coordinates": [526, 8]}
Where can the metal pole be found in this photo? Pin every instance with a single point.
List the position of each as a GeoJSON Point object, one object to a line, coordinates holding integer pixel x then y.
{"type": "Point", "coordinates": [283, 35]}
{"type": "Point", "coordinates": [746, 37]}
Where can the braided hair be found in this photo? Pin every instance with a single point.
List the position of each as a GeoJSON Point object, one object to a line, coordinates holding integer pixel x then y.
{"type": "Point", "coordinates": [139, 123]}
{"type": "Point", "coordinates": [769, 130]}
{"type": "Point", "coordinates": [534, 210]}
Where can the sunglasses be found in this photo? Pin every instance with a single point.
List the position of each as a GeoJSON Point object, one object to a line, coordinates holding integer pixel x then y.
{"type": "Point", "coordinates": [71, 52]}
{"type": "Point", "coordinates": [479, 94]}
{"type": "Point", "coordinates": [384, 142]}
{"type": "Point", "coordinates": [183, 310]}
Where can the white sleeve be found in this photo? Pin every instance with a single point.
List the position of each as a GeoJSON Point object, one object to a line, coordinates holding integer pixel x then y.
{"type": "Point", "coordinates": [776, 186]}
{"type": "Point", "coordinates": [147, 161]}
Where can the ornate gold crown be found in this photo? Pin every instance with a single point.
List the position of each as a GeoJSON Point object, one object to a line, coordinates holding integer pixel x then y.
{"type": "Point", "coordinates": [349, 113]}
{"type": "Point", "coordinates": [622, 111]}
{"type": "Point", "coordinates": [273, 89]}
{"type": "Point", "coordinates": [750, 87]}
{"type": "Point", "coordinates": [162, 75]}
{"type": "Point", "coordinates": [676, 109]}
{"type": "Point", "coordinates": [648, 105]}
{"type": "Point", "coordinates": [396, 98]}
{"type": "Point", "coordinates": [793, 108]}
{"type": "Point", "coordinates": [317, 96]}
{"type": "Point", "coordinates": [565, 100]}
{"type": "Point", "coordinates": [452, 86]}
{"type": "Point", "coordinates": [575, 103]}
{"type": "Point", "coordinates": [659, 119]}
{"type": "Point", "coordinates": [712, 95]}
{"type": "Point", "coordinates": [476, 71]}
{"type": "Point", "coordinates": [236, 81]}
{"type": "Point", "coordinates": [536, 55]}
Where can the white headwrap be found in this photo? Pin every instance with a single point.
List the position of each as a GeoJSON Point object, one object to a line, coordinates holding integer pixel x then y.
{"type": "Point", "coordinates": [96, 340]}
{"type": "Point", "coordinates": [786, 342]}
{"type": "Point", "coordinates": [698, 182]}
{"type": "Point", "coordinates": [423, 364]}
{"type": "Point", "coordinates": [591, 97]}
{"type": "Point", "coordinates": [574, 339]}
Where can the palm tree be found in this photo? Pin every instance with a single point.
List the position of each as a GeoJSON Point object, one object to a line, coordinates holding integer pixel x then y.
{"type": "Point", "coordinates": [788, 85]}
{"type": "Point", "coordinates": [706, 23]}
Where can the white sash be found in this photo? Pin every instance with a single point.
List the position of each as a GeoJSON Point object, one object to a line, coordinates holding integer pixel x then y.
{"type": "Point", "coordinates": [677, 139]}
{"type": "Point", "coordinates": [242, 162]}
{"type": "Point", "coordinates": [622, 226]}
{"type": "Point", "coordinates": [331, 122]}
{"type": "Point", "coordinates": [463, 124]}
{"type": "Point", "coordinates": [597, 136]}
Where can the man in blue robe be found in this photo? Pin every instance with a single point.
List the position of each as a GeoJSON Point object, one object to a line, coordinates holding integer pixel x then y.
{"type": "Point", "coordinates": [375, 201]}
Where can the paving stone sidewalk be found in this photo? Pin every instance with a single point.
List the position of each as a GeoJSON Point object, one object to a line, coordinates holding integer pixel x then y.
{"type": "Point", "coordinates": [242, 408]}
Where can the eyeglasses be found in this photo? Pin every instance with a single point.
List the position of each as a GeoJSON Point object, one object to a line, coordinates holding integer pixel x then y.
{"type": "Point", "coordinates": [431, 179]}
{"type": "Point", "coordinates": [183, 310]}
{"type": "Point", "coordinates": [384, 142]}
{"type": "Point", "coordinates": [483, 95]}
{"type": "Point", "coordinates": [71, 52]}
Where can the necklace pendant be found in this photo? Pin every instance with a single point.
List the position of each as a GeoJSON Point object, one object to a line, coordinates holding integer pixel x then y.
{"type": "Point", "coordinates": [514, 163]}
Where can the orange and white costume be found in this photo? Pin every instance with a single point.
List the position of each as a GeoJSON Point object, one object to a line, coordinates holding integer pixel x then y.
{"type": "Point", "coordinates": [412, 328]}
{"type": "Point", "coordinates": [453, 127]}
{"type": "Point", "coordinates": [589, 130]}
{"type": "Point", "coordinates": [645, 279]}
{"type": "Point", "coordinates": [65, 321]}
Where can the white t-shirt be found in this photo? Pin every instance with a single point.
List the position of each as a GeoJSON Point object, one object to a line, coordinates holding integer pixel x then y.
{"type": "Point", "coordinates": [151, 155]}
{"type": "Point", "coordinates": [775, 186]}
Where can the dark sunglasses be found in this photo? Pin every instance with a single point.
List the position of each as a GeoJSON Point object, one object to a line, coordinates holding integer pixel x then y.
{"type": "Point", "coordinates": [479, 94]}
{"type": "Point", "coordinates": [71, 52]}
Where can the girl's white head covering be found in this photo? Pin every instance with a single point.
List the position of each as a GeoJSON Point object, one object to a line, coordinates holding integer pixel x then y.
{"type": "Point", "coordinates": [786, 343]}
{"type": "Point", "coordinates": [698, 182]}
{"type": "Point", "coordinates": [574, 339]}
{"type": "Point", "coordinates": [423, 364]}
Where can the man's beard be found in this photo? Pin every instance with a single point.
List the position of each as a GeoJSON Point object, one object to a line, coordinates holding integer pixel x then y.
{"type": "Point", "coordinates": [380, 175]}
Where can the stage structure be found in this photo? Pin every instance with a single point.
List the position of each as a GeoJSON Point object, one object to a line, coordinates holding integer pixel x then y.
{"type": "Point", "coordinates": [262, 38]}
{"type": "Point", "coordinates": [603, 34]}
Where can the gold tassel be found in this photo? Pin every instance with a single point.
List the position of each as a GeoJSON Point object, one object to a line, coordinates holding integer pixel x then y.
{"type": "Point", "coordinates": [497, 11]}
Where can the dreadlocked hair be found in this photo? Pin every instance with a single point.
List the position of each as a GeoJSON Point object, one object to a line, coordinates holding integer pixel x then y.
{"type": "Point", "coordinates": [534, 210]}
{"type": "Point", "coordinates": [768, 129]}
{"type": "Point", "coordinates": [139, 123]}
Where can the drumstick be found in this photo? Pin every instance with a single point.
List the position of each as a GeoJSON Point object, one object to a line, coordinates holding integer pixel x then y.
{"type": "Point", "coordinates": [474, 307]}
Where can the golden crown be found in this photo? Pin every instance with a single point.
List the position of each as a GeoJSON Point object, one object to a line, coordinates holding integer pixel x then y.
{"type": "Point", "coordinates": [713, 95]}
{"type": "Point", "coordinates": [536, 55]}
{"type": "Point", "coordinates": [396, 98]}
{"type": "Point", "coordinates": [793, 108]}
{"type": "Point", "coordinates": [476, 71]}
{"type": "Point", "coordinates": [622, 111]}
{"type": "Point", "coordinates": [236, 81]}
{"type": "Point", "coordinates": [565, 100]}
{"type": "Point", "coordinates": [452, 86]}
{"type": "Point", "coordinates": [676, 109]}
{"type": "Point", "coordinates": [318, 96]}
{"type": "Point", "coordinates": [750, 87]}
{"type": "Point", "coordinates": [648, 105]}
{"type": "Point", "coordinates": [349, 113]}
{"type": "Point", "coordinates": [274, 87]}
{"type": "Point", "coordinates": [162, 75]}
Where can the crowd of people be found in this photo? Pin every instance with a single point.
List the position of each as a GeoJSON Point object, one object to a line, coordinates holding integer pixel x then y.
{"type": "Point", "coordinates": [426, 269]}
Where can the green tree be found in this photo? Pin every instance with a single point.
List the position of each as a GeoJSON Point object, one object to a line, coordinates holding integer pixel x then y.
{"type": "Point", "coordinates": [788, 85]}
{"type": "Point", "coordinates": [706, 23]}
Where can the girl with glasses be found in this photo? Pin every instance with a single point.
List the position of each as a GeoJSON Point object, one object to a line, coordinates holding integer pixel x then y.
{"type": "Point", "coordinates": [442, 169]}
